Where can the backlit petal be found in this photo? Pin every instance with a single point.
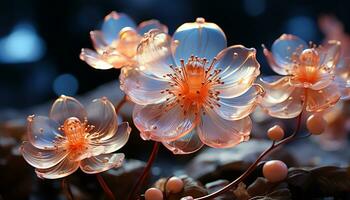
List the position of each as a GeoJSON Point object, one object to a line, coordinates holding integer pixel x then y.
{"type": "Point", "coordinates": [329, 54]}
{"type": "Point", "coordinates": [218, 132]}
{"type": "Point", "coordinates": [98, 41]}
{"type": "Point", "coordinates": [65, 168]}
{"type": "Point", "coordinates": [65, 107]}
{"type": "Point", "coordinates": [343, 77]}
{"type": "Point", "coordinates": [43, 132]}
{"type": "Point", "coordinates": [142, 88]}
{"type": "Point", "coordinates": [239, 68]}
{"type": "Point", "coordinates": [187, 144]}
{"type": "Point", "coordinates": [101, 163]}
{"type": "Point", "coordinates": [200, 38]}
{"type": "Point", "coordinates": [162, 123]}
{"type": "Point", "coordinates": [146, 26]}
{"type": "Point", "coordinates": [101, 114]}
{"type": "Point", "coordinates": [94, 59]}
{"type": "Point", "coordinates": [318, 100]}
{"type": "Point", "coordinates": [41, 159]}
{"type": "Point", "coordinates": [114, 23]}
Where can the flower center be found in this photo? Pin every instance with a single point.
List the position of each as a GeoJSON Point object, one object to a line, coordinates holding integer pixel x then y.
{"type": "Point", "coordinates": [307, 71]}
{"type": "Point", "coordinates": [192, 85]}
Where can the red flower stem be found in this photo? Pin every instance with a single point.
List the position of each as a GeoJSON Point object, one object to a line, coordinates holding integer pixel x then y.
{"type": "Point", "coordinates": [152, 157]}
{"type": "Point", "coordinates": [121, 103]}
{"type": "Point", "coordinates": [105, 187]}
{"type": "Point", "coordinates": [252, 167]}
{"type": "Point", "coordinates": [66, 189]}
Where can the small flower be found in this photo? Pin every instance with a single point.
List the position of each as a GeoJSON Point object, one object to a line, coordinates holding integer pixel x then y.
{"type": "Point", "coordinates": [116, 42]}
{"type": "Point", "coordinates": [313, 78]}
{"type": "Point", "coordinates": [72, 137]}
{"type": "Point", "coordinates": [192, 89]}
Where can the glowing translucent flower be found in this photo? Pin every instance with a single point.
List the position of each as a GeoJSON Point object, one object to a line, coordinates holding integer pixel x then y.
{"type": "Point", "coordinates": [313, 78]}
{"type": "Point", "coordinates": [72, 137]}
{"type": "Point", "coordinates": [116, 42]}
{"type": "Point", "coordinates": [191, 90]}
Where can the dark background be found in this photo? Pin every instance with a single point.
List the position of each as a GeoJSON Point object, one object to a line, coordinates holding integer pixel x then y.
{"type": "Point", "coordinates": [40, 40]}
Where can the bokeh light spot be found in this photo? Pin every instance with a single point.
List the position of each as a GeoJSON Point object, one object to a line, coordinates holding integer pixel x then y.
{"type": "Point", "coordinates": [302, 26]}
{"type": "Point", "coordinates": [65, 84]}
{"type": "Point", "coordinates": [254, 7]}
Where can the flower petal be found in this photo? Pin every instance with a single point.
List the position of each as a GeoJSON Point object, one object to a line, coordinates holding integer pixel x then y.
{"type": "Point", "coordinates": [342, 78]}
{"type": "Point", "coordinates": [319, 100]}
{"type": "Point", "coordinates": [101, 163]}
{"type": "Point", "coordinates": [161, 122]}
{"type": "Point", "coordinates": [43, 132]}
{"type": "Point", "coordinates": [94, 59]}
{"type": "Point", "coordinates": [187, 144]}
{"type": "Point", "coordinates": [201, 39]}
{"type": "Point", "coordinates": [218, 132]}
{"type": "Point", "coordinates": [154, 53]}
{"type": "Point", "coordinates": [101, 114]}
{"type": "Point", "coordinates": [329, 54]}
{"type": "Point", "coordinates": [65, 168]}
{"type": "Point", "coordinates": [141, 88]}
{"type": "Point", "coordinates": [98, 41]}
{"type": "Point", "coordinates": [65, 107]}
{"type": "Point", "coordinates": [241, 106]}
{"type": "Point", "coordinates": [239, 68]}
{"type": "Point", "coordinates": [284, 50]}
{"type": "Point", "coordinates": [117, 141]}
{"type": "Point", "coordinates": [146, 26]}
{"type": "Point", "coordinates": [41, 159]}
{"type": "Point", "coordinates": [114, 23]}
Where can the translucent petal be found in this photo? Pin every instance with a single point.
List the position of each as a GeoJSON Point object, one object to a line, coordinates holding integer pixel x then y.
{"type": "Point", "coordinates": [239, 68]}
{"type": "Point", "coordinates": [65, 168]}
{"type": "Point", "coordinates": [284, 50]}
{"type": "Point", "coordinates": [187, 144]}
{"type": "Point", "coordinates": [142, 88]}
{"type": "Point", "coordinates": [94, 59]}
{"type": "Point", "coordinates": [154, 53]}
{"type": "Point", "coordinates": [329, 54]}
{"type": "Point", "coordinates": [324, 78]}
{"type": "Point", "coordinates": [201, 39]}
{"type": "Point", "coordinates": [146, 26]}
{"type": "Point", "coordinates": [101, 114]}
{"type": "Point", "coordinates": [277, 88]}
{"type": "Point", "coordinates": [43, 132]}
{"type": "Point", "coordinates": [98, 41]}
{"type": "Point", "coordinates": [65, 107]}
{"type": "Point", "coordinates": [128, 41]}
{"type": "Point", "coordinates": [343, 77]}
{"type": "Point", "coordinates": [117, 141]}
{"type": "Point", "coordinates": [41, 159]}
{"type": "Point", "coordinates": [241, 106]}
{"type": "Point", "coordinates": [318, 100]}
{"type": "Point", "coordinates": [218, 132]}
{"type": "Point", "coordinates": [113, 23]}
{"type": "Point", "coordinates": [160, 122]}
{"type": "Point", "coordinates": [101, 163]}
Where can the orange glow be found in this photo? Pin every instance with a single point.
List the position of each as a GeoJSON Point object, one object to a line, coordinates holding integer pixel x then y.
{"type": "Point", "coordinates": [308, 71]}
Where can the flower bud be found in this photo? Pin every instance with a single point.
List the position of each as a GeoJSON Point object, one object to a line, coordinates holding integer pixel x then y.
{"type": "Point", "coordinates": [316, 124]}
{"type": "Point", "coordinates": [275, 133]}
{"type": "Point", "coordinates": [275, 170]}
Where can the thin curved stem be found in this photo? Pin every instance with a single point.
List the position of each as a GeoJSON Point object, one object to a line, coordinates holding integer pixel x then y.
{"type": "Point", "coordinates": [121, 103]}
{"type": "Point", "coordinates": [253, 166]}
{"type": "Point", "coordinates": [66, 189]}
{"type": "Point", "coordinates": [105, 187]}
{"type": "Point", "coordinates": [152, 157]}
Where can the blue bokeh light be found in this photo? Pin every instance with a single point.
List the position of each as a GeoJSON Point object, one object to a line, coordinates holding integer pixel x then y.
{"type": "Point", "coordinates": [66, 84]}
{"type": "Point", "coordinates": [302, 26]}
{"type": "Point", "coordinates": [254, 7]}
{"type": "Point", "coordinates": [22, 45]}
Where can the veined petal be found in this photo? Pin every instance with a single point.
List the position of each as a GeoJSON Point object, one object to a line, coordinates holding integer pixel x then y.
{"type": "Point", "coordinates": [141, 88]}
{"type": "Point", "coordinates": [114, 23]}
{"type": "Point", "coordinates": [200, 38]}
{"type": "Point", "coordinates": [127, 44]}
{"type": "Point", "coordinates": [342, 77]}
{"type": "Point", "coordinates": [284, 51]}
{"type": "Point", "coordinates": [101, 114]}
{"type": "Point", "coordinates": [40, 158]}
{"type": "Point", "coordinates": [98, 41]}
{"type": "Point", "coordinates": [94, 59]}
{"type": "Point", "coordinates": [146, 26]}
{"type": "Point", "coordinates": [117, 141]}
{"type": "Point", "coordinates": [329, 55]}
{"type": "Point", "coordinates": [154, 53]}
{"type": "Point", "coordinates": [277, 88]}
{"type": "Point", "coordinates": [218, 132]}
{"type": "Point", "coordinates": [65, 107]}
{"type": "Point", "coordinates": [241, 106]}
{"type": "Point", "coordinates": [239, 68]}
{"type": "Point", "coordinates": [101, 163]}
{"type": "Point", "coordinates": [65, 168]}
{"type": "Point", "coordinates": [43, 132]}
{"type": "Point", "coordinates": [318, 100]}
{"type": "Point", "coordinates": [187, 144]}
{"type": "Point", "coordinates": [160, 122]}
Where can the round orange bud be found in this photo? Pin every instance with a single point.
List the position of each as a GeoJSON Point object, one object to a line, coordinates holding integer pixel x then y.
{"type": "Point", "coordinates": [275, 170]}
{"type": "Point", "coordinates": [153, 194]}
{"type": "Point", "coordinates": [275, 133]}
{"type": "Point", "coordinates": [316, 124]}
{"type": "Point", "coordinates": [174, 185]}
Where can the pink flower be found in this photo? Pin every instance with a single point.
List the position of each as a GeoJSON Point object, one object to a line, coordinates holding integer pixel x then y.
{"type": "Point", "coordinates": [116, 42]}
{"type": "Point", "coordinates": [72, 137]}
{"type": "Point", "coordinates": [191, 89]}
{"type": "Point", "coordinates": [313, 78]}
